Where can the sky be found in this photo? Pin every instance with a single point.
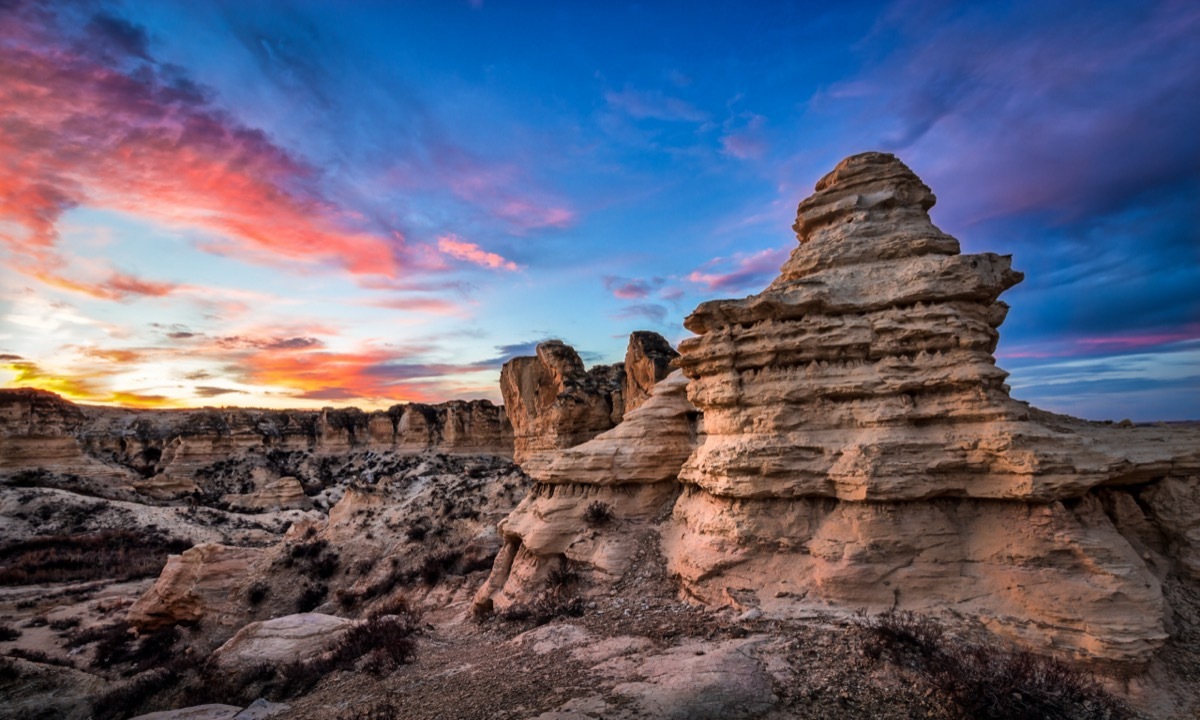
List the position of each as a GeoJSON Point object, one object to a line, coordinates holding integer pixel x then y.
{"type": "Point", "coordinates": [306, 204]}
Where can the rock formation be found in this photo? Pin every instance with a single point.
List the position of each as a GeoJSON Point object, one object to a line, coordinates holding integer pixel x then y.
{"type": "Point", "coordinates": [647, 361]}
{"type": "Point", "coordinates": [862, 450]}
{"type": "Point", "coordinates": [590, 500]}
{"type": "Point", "coordinates": [554, 403]}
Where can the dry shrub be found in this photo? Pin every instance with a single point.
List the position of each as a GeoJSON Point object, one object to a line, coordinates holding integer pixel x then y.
{"type": "Point", "coordinates": [598, 513]}
{"type": "Point", "coordinates": [106, 555]}
{"type": "Point", "coordinates": [123, 700]}
{"type": "Point", "coordinates": [988, 681]}
{"type": "Point", "coordinates": [8, 632]}
{"type": "Point", "coordinates": [38, 656]}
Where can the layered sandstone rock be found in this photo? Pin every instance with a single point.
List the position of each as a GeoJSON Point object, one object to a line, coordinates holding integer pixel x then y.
{"type": "Point", "coordinates": [862, 449]}
{"type": "Point", "coordinates": [647, 361]}
{"type": "Point", "coordinates": [590, 500]}
{"type": "Point", "coordinates": [281, 640]}
{"type": "Point", "coordinates": [553, 403]}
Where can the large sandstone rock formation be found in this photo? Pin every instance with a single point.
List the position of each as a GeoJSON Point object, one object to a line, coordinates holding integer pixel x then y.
{"type": "Point", "coordinates": [554, 403]}
{"type": "Point", "coordinates": [862, 450]}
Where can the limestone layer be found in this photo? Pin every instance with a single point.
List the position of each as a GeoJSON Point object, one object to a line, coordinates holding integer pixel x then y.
{"type": "Point", "coordinates": [862, 450]}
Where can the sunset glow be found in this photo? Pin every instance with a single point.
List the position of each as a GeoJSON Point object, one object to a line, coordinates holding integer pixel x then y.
{"type": "Point", "coordinates": [307, 204]}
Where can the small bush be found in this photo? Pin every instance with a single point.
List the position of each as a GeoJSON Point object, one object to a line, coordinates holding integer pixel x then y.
{"type": "Point", "coordinates": [117, 646]}
{"type": "Point", "coordinates": [257, 592]}
{"type": "Point", "coordinates": [311, 597]}
{"type": "Point", "coordinates": [992, 681]}
{"type": "Point", "coordinates": [598, 513]}
{"type": "Point", "coordinates": [62, 624]}
{"type": "Point", "coordinates": [123, 700]}
{"type": "Point", "coordinates": [8, 671]}
{"type": "Point", "coordinates": [8, 632]}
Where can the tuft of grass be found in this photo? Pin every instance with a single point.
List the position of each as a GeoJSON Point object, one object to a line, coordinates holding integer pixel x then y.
{"type": "Point", "coordinates": [63, 624]}
{"type": "Point", "coordinates": [311, 597]}
{"type": "Point", "coordinates": [8, 632]}
{"type": "Point", "coordinates": [257, 592]}
{"type": "Point", "coordinates": [988, 681]}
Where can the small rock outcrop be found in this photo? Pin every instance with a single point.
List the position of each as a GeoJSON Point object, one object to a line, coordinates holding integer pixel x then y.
{"type": "Point", "coordinates": [553, 403]}
{"type": "Point", "coordinates": [647, 361]}
{"type": "Point", "coordinates": [202, 584]}
{"type": "Point", "coordinates": [862, 450]}
{"type": "Point", "coordinates": [590, 501]}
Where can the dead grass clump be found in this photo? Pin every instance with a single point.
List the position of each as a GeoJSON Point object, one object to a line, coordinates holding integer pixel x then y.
{"type": "Point", "coordinates": [38, 656]}
{"type": "Point", "coordinates": [64, 624]}
{"type": "Point", "coordinates": [8, 632]}
{"type": "Point", "coordinates": [124, 699]}
{"type": "Point", "coordinates": [118, 647]}
{"type": "Point", "coordinates": [107, 555]}
{"type": "Point", "coordinates": [988, 681]}
{"type": "Point", "coordinates": [257, 592]}
{"type": "Point", "coordinates": [598, 513]}
{"type": "Point", "coordinates": [311, 597]}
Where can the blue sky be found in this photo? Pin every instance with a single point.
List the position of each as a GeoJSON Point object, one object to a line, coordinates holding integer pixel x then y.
{"type": "Point", "coordinates": [298, 204]}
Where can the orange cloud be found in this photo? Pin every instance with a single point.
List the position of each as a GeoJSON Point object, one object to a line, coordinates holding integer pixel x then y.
{"type": "Point", "coordinates": [460, 249]}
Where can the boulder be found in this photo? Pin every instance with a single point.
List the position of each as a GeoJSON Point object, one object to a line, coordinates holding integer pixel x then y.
{"type": "Point", "coordinates": [205, 583]}
{"type": "Point", "coordinates": [281, 640]}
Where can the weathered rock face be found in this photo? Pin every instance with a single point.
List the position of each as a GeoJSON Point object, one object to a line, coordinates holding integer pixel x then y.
{"type": "Point", "coordinates": [591, 500]}
{"type": "Point", "coordinates": [862, 449]}
{"type": "Point", "coordinates": [199, 585]}
{"type": "Point", "coordinates": [553, 403]}
{"type": "Point", "coordinates": [647, 361]}
{"type": "Point", "coordinates": [281, 640]}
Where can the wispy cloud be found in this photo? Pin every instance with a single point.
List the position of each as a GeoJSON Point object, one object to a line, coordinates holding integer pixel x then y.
{"type": "Point", "coordinates": [740, 272]}
{"type": "Point", "coordinates": [460, 249]}
{"type": "Point", "coordinates": [654, 105]}
{"type": "Point", "coordinates": [631, 288]}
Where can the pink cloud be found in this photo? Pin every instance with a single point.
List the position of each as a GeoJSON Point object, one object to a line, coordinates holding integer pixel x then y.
{"type": "Point", "coordinates": [631, 288]}
{"type": "Point", "coordinates": [1106, 344]}
{"type": "Point", "coordinates": [460, 249]}
{"type": "Point", "coordinates": [87, 130]}
{"type": "Point", "coordinates": [740, 271]}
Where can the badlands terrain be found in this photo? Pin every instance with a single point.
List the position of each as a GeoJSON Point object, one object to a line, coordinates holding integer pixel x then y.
{"type": "Point", "coordinates": [824, 504]}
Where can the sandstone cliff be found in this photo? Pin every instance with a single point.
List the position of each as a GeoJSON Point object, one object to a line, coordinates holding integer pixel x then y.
{"type": "Point", "coordinates": [589, 502]}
